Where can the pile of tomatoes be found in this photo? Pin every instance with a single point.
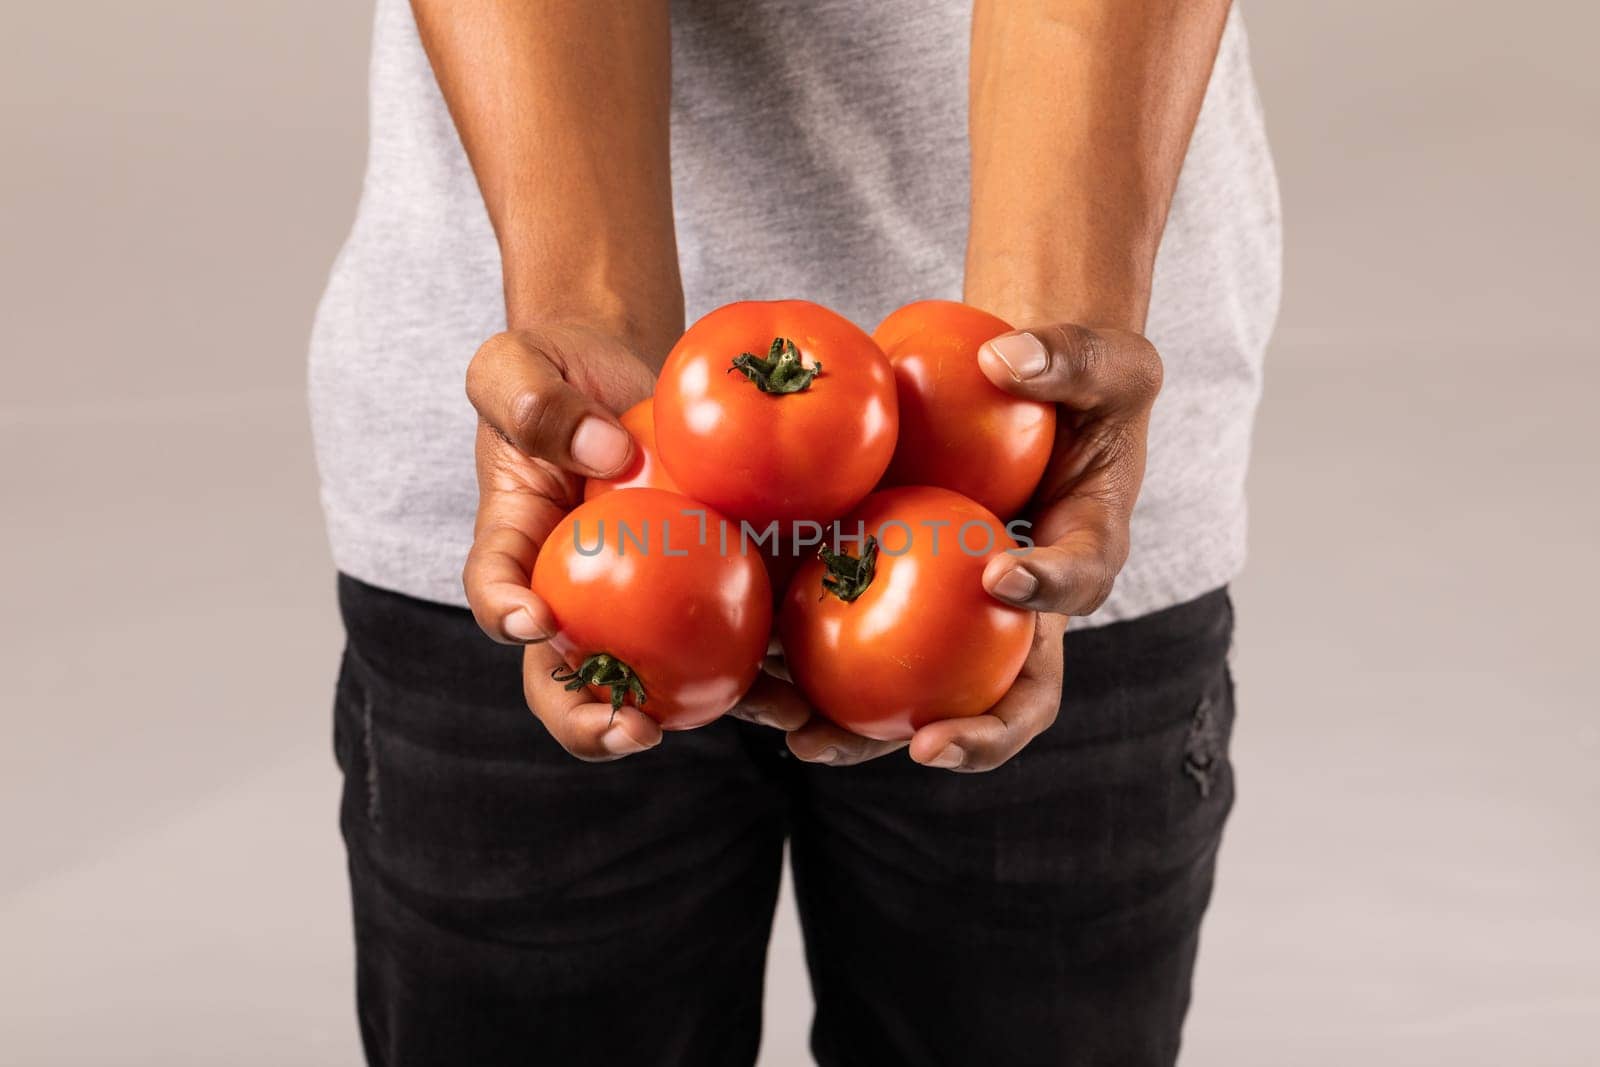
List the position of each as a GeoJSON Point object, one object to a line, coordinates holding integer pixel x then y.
{"type": "Point", "coordinates": [790, 465]}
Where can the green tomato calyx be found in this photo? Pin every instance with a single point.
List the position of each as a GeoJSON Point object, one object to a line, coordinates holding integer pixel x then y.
{"type": "Point", "coordinates": [849, 576]}
{"type": "Point", "coordinates": [604, 669]}
{"type": "Point", "coordinates": [780, 371]}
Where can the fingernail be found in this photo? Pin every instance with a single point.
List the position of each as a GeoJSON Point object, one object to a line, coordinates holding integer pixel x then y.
{"type": "Point", "coordinates": [827, 755]}
{"type": "Point", "coordinates": [768, 721]}
{"type": "Point", "coordinates": [520, 626]}
{"type": "Point", "coordinates": [619, 742]}
{"type": "Point", "coordinates": [600, 446]}
{"type": "Point", "coordinates": [1023, 354]}
{"type": "Point", "coordinates": [952, 757]}
{"type": "Point", "coordinates": [1016, 585]}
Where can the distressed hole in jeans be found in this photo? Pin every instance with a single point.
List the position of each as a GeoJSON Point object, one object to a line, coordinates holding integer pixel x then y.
{"type": "Point", "coordinates": [369, 754]}
{"type": "Point", "coordinates": [1202, 751]}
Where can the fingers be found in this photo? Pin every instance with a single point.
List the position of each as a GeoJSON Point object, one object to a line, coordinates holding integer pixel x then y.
{"type": "Point", "coordinates": [1108, 380]}
{"type": "Point", "coordinates": [1073, 576]}
{"type": "Point", "coordinates": [820, 741]}
{"type": "Point", "coordinates": [774, 663]}
{"type": "Point", "coordinates": [497, 579]}
{"type": "Point", "coordinates": [984, 742]}
{"type": "Point", "coordinates": [588, 729]}
{"type": "Point", "coordinates": [546, 400]}
{"type": "Point", "coordinates": [553, 395]}
{"type": "Point", "coordinates": [775, 703]}
{"type": "Point", "coordinates": [1087, 370]}
{"type": "Point", "coordinates": [520, 501]}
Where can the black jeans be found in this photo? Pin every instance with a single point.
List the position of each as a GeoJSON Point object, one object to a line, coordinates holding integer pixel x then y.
{"type": "Point", "coordinates": [516, 906]}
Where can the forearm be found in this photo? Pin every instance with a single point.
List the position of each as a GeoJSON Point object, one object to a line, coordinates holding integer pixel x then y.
{"type": "Point", "coordinates": [1081, 112]}
{"type": "Point", "coordinates": [562, 106]}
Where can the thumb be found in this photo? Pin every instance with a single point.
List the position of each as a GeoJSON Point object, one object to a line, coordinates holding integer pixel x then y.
{"type": "Point", "coordinates": [554, 392]}
{"type": "Point", "coordinates": [1087, 370]}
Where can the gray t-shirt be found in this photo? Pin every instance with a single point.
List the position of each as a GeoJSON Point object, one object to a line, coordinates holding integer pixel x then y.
{"type": "Point", "coordinates": [819, 151]}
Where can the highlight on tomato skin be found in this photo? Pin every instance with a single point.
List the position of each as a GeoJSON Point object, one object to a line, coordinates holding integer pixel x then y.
{"type": "Point", "coordinates": [646, 471]}
{"type": "Point", "coordinates": [957, 429]}
{"type": "Point", "coordinates": [776, 411]}
{"type": "Point", "coordinates": [886, 645]}
{"type": "Point", "coordinates": [651, 613]}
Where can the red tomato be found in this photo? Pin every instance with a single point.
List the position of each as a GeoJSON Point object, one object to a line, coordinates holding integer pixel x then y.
{"type": "Point", "coordinates": [886, 639]}
{"type": "Point", "coordinates": [651, 613]}
{"type": "Point", "coordinates": [957, 430]}
{"type": "Point", "coordinates": [646, 471]}
{"type": "Point", "coordinates": [776, 411]}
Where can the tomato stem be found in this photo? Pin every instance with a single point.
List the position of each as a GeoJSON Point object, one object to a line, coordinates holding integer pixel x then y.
{"type": "Point", "coordinates": [849, 576]}
{"type": "Point", "coordinates": [780, 371]}
{"type": "Point", "coordinates": [602, 668]}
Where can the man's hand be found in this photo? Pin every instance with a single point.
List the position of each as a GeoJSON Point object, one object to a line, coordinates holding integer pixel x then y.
{"type": "Point", "coordinates": [1105, 382]}
{"type": "Point", "coordinates": [582, 213]}
{"type": "Point", "coordinates": [1079, 116]}
{"type": "Point", "coordinates": [547, 402]}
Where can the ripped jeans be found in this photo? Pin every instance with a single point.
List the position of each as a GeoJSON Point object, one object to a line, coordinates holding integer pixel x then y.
{"type": "Point", "coordinates": [513, 905]}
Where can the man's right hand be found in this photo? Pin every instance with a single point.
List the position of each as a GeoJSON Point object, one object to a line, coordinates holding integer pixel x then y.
{"type": "Point", "coordinates": [547, 401]}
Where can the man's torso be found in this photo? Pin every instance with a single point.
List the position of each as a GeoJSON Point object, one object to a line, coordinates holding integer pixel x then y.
{"type": "Point", "coordinates": [819, 151]}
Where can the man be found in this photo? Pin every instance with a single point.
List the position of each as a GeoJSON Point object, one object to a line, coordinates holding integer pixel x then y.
{"type": "Point", "coordinates": [567, 178]}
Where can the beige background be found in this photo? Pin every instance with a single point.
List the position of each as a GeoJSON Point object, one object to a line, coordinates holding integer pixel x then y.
{"type": "Point", "coordinates": [1413, 873]}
